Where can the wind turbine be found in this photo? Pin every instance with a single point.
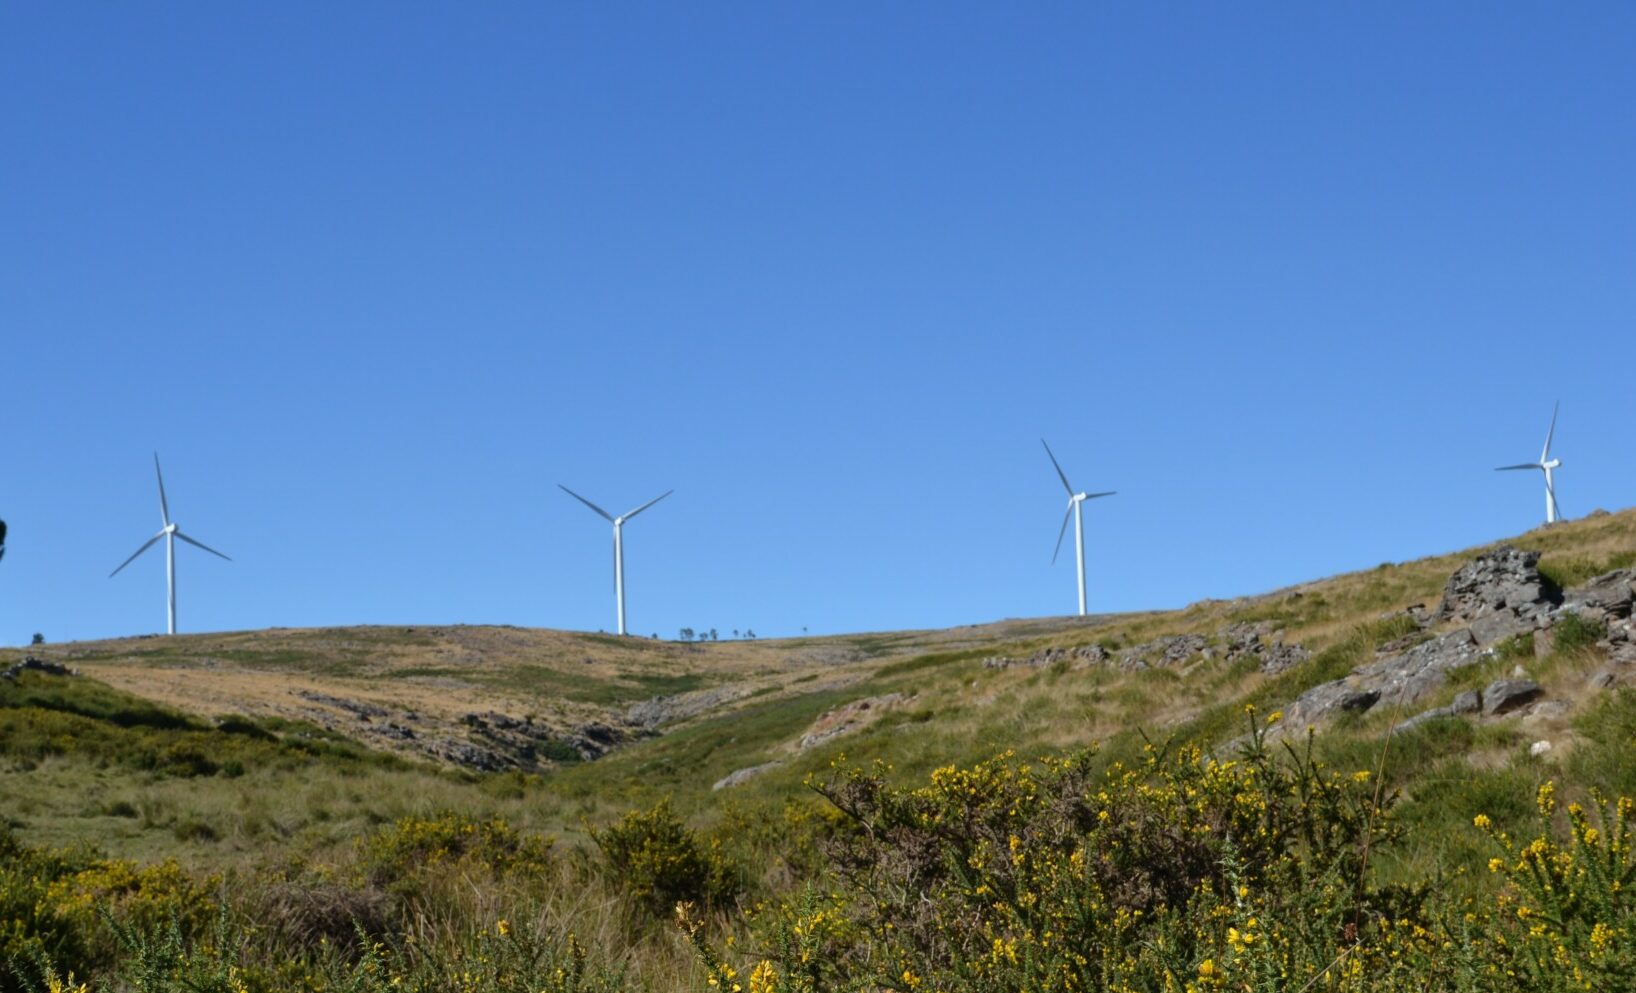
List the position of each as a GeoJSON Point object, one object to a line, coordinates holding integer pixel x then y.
{"type": "Point", "coordinates": [1545, 465]}
{"type": "Point", "coordinates": [619, 542]}
{"type": "Point", "coordinates": [170, 532]}
{"type": "Point", "coordinates": [1074, 502]}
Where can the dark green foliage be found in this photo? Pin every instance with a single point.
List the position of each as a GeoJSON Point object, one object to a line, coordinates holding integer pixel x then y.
{"type": "Point", "coordinates": [660, 862]}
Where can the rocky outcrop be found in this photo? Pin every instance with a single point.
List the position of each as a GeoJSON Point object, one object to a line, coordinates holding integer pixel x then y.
{"type": "Point", "coordinates": [1079, 656]}
{"type": "Point", "coordinates": [1231, 643]}
{"type": "Point", "coordinates": [1498, 594]}
{"type": "Point", "coordinates": [662, 710]}
{"type": "Point", "coordinates": [526, 745]}
{"type": "Point", "coordinates": [847, 719]}
{"type": "Point", "coordinates": [1608, 597]}
{"type": "Point", "coordinates": [740, 776]}
{"type": "Point", "coordinates": [32, 664]}
{"type": "Point", "coordinates": [1400, 680]}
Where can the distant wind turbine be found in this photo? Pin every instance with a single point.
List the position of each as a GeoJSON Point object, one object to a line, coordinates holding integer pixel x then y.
{"type": "Point", "coordinates": [170, 532]}
{"type": "Point", "coordinates": [1074, 502]}
{"type": "Point", "coordinates": [619, 542]}
{"type": "Point", "coordinates": [1545, 465]}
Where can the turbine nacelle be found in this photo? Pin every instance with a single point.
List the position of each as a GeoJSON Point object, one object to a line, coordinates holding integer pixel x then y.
{"type": "Point", "coordinates": [1553, 464]}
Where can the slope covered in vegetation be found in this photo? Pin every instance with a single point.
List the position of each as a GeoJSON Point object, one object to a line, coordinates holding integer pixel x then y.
{"type": "Point", "coordinates": [1115, 803]}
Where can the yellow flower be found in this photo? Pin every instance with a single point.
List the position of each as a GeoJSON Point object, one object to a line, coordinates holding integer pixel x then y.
{"type": "Point", "coordinates": [502, 927]}
{"type": "Point", "coordinates": [1482, 822]}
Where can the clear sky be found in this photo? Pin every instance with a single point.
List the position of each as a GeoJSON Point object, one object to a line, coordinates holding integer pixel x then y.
{"type": "Point", "coordinates": [374, 278]}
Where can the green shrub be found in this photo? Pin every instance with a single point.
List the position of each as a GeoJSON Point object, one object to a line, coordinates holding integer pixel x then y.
{"type": "Point", "coordinates": [1051, 875]}
{"type": "Point", "coordinates": [414, 845]}
{"type": "Point", "coordinates": [659, 862]}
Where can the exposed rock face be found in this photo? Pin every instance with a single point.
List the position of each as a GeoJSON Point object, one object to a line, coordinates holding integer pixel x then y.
{"type": "Point", "coordinates": [1281, 658]}
{"type": "Point", "coordinates": [741, 776]}
{"type": "Point", "coordinates": [32, 664]}
{"type": "Point", "coordinates": [848, 718]}
{"type": "Point", "coordinates": [1499, 593]}
{"type": "Point", "coordinates": [1081, 656]}
{"type": "Point", "coordinates": [661, 710]}
{"type": "Point", "coordinates": [525, 744]}
{"type": "Point", "coordinates": [1231, 643]}
{"type": "Point", "coordinates": [1505, 695]}
{"type": "Point", "coordinates": [1468, 702]}
{"type": "Point", "coordinates": [1399, 680]}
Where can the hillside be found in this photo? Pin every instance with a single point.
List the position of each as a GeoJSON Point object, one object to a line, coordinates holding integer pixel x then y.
{"type": "Point", "coordinates": [1457, 683]}
{"type": "Point", "coordinates": [658, 714]}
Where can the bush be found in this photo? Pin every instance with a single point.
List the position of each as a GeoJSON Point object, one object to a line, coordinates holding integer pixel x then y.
{"type": "Point", "coordinates": [659, 862]}
{"type": "Point", "coordinates": [1050, 875]}
{"type": "Point", "coordinates": [53, 905]}
{"type": "Point", "coordinates": [414, 845]}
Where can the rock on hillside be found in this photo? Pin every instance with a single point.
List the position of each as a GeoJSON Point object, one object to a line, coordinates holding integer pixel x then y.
{"type": "Point", "coordinates": [1496, 596]}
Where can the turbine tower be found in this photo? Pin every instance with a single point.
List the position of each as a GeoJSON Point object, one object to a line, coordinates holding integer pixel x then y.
{"type": "Point", "coordinates": [1074, 502]}
{"type": "Point", "coordinates": [1545, 465]}
{"type": "Point", "coordinates": [619, 542]}
{"type": "Point", "coordinates": [170, 532]}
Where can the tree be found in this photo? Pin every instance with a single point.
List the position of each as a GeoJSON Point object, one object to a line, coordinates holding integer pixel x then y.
{"type": "Point", "coordinates": [750, 633]}
{"type": "Point", "coordinates": [686, 634]}
{"type": "Point", "coordinates": [39, 639]}
{"type": "Point", "coordinates": [712, 634]}
{"type": "Point", "coordinates": [735, 632]}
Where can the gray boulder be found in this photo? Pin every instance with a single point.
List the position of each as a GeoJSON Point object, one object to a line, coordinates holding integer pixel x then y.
{"type": "Point", "coordinates": [1505, 695]}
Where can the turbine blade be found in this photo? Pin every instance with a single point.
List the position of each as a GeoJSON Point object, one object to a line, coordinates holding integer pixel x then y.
{"type": "Point", "coordinates": [600, 512]}
{"type": "Point", "coordinates": [1058, 550]}
{"type": "Point", "coordinates": [1060, 474]}
{"type": "Point", "coordinates": [146, 545]}
{"type": "Point", "coordinates": [1545, 454]}
{"type": "Point", "coordinates": [164, 508]}
{"type": "Point", "coordinates": [650, 503]}
{"type": "Point", "coordinates": [1093, 496]}
{"type": "Point", "coordinates": [1525, 465]}
{"type": "Point", "coordinates": [200, 544]}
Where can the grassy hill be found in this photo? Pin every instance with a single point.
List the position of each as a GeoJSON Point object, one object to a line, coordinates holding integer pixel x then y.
{"type": "Point", "coordinates": [287, 754]}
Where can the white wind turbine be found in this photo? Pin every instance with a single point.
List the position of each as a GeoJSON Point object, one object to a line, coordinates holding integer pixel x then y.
{"type": "Point", "coordinates": [1545, 465]}
{"type": "Point", "coordinates": [170, 532]}
{"type": "Point", "coordinates": [1074, 502]}
{"type": "Point", "coordinates": [619, 542]}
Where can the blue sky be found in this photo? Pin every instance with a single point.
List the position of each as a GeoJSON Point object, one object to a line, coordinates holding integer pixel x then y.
{"type": "Point", "coordinates": [374, 278]}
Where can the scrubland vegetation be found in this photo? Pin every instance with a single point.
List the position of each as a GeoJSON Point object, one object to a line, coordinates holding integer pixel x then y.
{"type": "Point", "coordinates": [1015, 829]}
